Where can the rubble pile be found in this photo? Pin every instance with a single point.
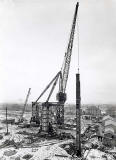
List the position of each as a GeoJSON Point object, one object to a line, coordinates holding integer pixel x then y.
{"type": "Point", "coordinates": [97, 155]}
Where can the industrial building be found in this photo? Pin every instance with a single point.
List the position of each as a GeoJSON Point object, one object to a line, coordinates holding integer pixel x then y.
{"type": "Point", "coordinates": [93, 111]}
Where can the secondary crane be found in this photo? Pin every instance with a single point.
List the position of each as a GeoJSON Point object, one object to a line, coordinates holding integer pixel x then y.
{"type": "Point", "coordinates": [62, 76]}
{"type": "Point", "coordinates": [25, 104]}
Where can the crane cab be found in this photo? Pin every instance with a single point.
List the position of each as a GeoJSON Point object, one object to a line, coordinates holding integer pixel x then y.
{"type": "Point", "coordinates": [61, 97]}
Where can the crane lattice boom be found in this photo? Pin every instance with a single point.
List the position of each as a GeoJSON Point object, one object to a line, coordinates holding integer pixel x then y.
{"type": "Point", "coordinates": [61, 96]}
{"type": "Point", "coordinates": [21, 118]}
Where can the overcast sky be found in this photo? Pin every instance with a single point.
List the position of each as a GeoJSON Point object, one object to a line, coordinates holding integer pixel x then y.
{"type": "Point", "coordinates": [33, 39]}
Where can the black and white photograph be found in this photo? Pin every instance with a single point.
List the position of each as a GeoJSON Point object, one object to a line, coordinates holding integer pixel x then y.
{"type": "Point", "coordinates": [57, 80]}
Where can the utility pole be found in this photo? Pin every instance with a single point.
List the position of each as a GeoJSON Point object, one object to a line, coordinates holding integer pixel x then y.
{"type": "Point", "coordinates": [78, 116]}
{"type": "Point", "coordinates": [6, 122]}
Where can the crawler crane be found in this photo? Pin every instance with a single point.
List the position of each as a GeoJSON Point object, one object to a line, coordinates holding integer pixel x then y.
{"type": "Point", "coordinates": [21, 119]}
{"type": "Point", "coordinates": [43, 113]}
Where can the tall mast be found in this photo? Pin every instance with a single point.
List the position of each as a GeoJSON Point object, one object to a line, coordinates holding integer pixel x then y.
{"type": "Point", "coordinates": [6, 122]}
{"type": "Point", "coordinates": [78, 107]}
{"type": "Point", "coordinates": [78, 115]}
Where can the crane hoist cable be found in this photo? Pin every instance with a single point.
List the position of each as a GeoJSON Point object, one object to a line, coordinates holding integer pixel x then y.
{"type": "Point", "coordinates": [78, 35]}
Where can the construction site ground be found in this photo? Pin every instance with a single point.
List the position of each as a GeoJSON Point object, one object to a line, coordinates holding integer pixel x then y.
{"type": "Point", "coordinates": [26, 143]}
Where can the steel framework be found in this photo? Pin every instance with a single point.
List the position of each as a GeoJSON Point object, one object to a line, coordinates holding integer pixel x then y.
{"type": "Point", "coordinates": [52, 113]}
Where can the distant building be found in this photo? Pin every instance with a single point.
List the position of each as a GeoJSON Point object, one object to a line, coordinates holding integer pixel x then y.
{"type": "Point", "coordinates": [94, 111]}
{"type": "Point", "coordinates": [109, 130]}
{"type": "Point", "coordinates": [109, 124]}
{"type": "Point", "coordinates": [106, 118]}
{"type": "Point", "coordinates": [111, 111]}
